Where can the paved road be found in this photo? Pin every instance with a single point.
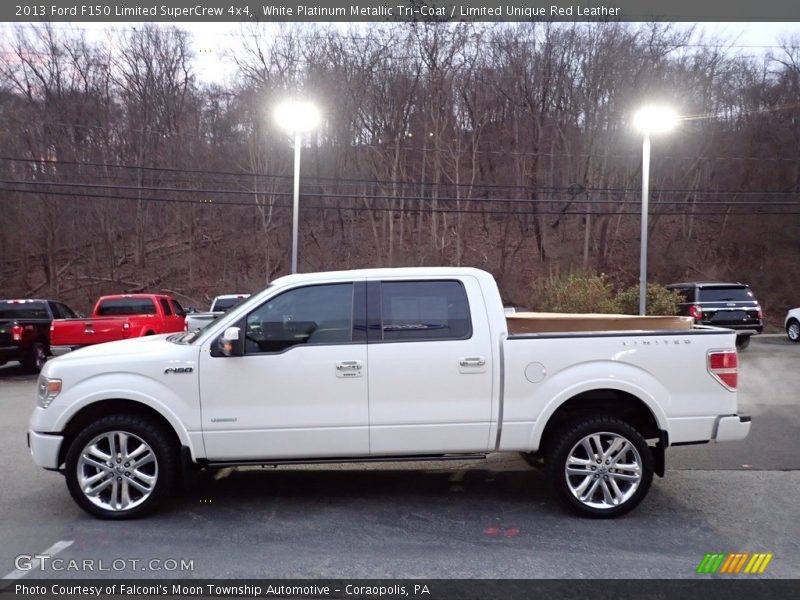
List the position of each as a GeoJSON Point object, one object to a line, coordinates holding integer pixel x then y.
{"type": "Point", "coordinates": [487, 519]}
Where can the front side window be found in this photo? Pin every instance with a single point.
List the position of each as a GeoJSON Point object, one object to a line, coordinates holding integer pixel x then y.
{"type": "Point", "coordinates": [424, 311]}
{"type": "Point", "coordinates": [165, 306]}
{"type": "Point", "coordinates": [66, 311]}
{"type": "Point", "coordinates": [178, 308]}
{"type": "Point", "coordinates": [313, 315]}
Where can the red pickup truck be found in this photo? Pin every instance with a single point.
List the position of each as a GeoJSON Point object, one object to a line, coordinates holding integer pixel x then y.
{"type": "Point", "coordinates": [118, 318]}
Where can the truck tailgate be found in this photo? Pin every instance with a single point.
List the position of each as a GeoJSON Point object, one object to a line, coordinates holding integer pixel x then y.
{"type": "Point", "coordinates": [81, 332]}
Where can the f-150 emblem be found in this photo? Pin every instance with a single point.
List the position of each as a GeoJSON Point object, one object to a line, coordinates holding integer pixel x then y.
{"type": "Point", "coordinates": [177, 370]}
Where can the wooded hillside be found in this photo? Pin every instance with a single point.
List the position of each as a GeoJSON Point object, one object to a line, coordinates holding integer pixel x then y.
{"type": "Point", "coordinates": [508, 148]}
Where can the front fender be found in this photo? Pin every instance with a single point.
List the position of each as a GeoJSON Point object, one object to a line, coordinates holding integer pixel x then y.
{"type": "Point", "coordinates": [138, 388]}
{"type": "Point", "coordinates": [601, 375]}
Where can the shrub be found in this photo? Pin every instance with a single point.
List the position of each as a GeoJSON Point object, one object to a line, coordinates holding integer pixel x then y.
{"type": "Point", "coordinates": [592, 293]}
{"type": "Point", "coordinates": [574, 293]}
{"type": "Point", "coordinates": [660, 300]}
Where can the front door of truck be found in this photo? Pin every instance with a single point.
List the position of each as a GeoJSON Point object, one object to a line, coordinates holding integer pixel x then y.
{"type": "Point", "coordinates": [430, 378]}
{"type": "Point", "coordinates": [300, 390]}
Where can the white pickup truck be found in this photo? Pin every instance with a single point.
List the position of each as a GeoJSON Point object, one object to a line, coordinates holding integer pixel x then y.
{"type": "Point", "coordinates": [375, 365]}
{"type": "Point", "coordinates": [219, 306]}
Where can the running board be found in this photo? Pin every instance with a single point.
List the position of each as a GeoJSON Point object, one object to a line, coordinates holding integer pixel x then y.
{"type": "Point", "coordinates": [323, 461]}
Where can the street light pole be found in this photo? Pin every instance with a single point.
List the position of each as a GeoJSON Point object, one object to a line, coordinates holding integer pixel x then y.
{"type": "Point", "coordinates": [643, 248]}
{"type": "Point", "coordinates": [296, 117]}
{"type": "Point", "coordinates": [650, 119]}
{"type": "Point", "coordinates": [296, 201]}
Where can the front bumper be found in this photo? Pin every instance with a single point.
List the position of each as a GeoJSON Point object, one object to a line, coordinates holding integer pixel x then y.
{"type": "Point", "coordinates": [732, 429]}
{"type": "Point", "coordinates": [45, 448]}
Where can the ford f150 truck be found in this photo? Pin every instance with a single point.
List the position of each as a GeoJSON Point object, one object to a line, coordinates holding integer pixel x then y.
{"type": "Point", "coordinates": [118, 318]}
{"type": "Point", "coordinates": [219, 306]}
{"type": "Point", "coordinates": [383, 364]}
{"type": "Point", "coordinates": [25, 330]}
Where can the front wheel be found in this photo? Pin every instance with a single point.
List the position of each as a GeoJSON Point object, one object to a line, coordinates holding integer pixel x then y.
{"type": "Point", "coordinates": [121, 467]}
{"type": "Point", "coordinates": [793, 330]}
{"type": "Point", "coordinates": [600, 467]}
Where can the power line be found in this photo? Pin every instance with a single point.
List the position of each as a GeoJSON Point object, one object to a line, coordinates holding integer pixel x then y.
{"type": "Point", "coordinates": [365, 196]}
{"type": "Point", "coordinates": [572, 189]}
{"type": "Point", "coordinates": [413, 210]}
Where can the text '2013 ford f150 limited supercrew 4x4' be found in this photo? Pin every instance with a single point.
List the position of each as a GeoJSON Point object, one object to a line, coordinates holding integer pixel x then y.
{"type": "Point", "coordinates": [386, 364]}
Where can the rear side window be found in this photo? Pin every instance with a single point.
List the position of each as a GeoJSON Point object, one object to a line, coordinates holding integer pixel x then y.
{"type": "Point", "coordinates": [424, 311]}
{"type": "Point", "coordinates": [728, 294]}
{"type": "Point", "coordinates": [23, 309]}
{"type": "Point", "coordinates": [126, 306]}
{"type": "Point", "coordinates": [165, 306]}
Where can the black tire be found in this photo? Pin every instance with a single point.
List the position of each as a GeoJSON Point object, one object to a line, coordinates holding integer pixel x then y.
{"type": "Point", "coordinates": [793, 330]}
{"type": "Point", "coordinates": [160, 441]}
{"type": "Point", "coordinates": [567, 439]}
{"type": "Point", "coordinates": [35, 360]}
{"type": "Point", "coordinates": [742, 342]}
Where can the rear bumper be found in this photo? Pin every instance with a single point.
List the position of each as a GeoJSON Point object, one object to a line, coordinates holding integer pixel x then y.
{"type": "Point", "coordinates": [44, 448]}
{"type": "Point", "coordinates": [732, 428]}
{"type": "Point", "coordinates": [61, 350]}
{"type": "Point", "coordinates": [12, 353]}
{"type": "Point", "coordinates": [739, 329]}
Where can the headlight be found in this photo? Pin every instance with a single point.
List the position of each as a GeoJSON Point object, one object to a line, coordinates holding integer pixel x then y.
{"type": "Point", "coordinates": [46, 391]}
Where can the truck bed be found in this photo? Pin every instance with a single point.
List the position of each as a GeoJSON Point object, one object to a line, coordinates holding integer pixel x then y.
{"type": "Point", "coordinates": [541, 322]}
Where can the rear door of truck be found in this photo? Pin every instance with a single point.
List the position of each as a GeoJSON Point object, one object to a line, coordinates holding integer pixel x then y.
{"type": "Point", "coordinates": [430, 366]}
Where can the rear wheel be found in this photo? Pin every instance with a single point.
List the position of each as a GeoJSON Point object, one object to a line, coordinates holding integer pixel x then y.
{"type": "Point", "coordinates": [35, 360]}
{"type": "Point", "coordinates": [793, 330]}
{"type": "Point", "coordinates": [121, 466]}
{"type": "Point", "coordinates": [600, 467]}
{"type": "Point", "coordinates": [742, 341]}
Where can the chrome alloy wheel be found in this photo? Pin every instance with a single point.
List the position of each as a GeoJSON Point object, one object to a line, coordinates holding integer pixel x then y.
{"type": "Point", "coordinates": [117, 471]}
{"type": "Point", "coordinates": [603, 470]}
{"type": "Point", "coordinates": [793, 331]}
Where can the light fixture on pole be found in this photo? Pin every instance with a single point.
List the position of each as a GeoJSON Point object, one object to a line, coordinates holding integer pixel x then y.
{"type": "Point", "coordinates": [650, 119]}
{"type": "Point", "coordinates": [296, 117]}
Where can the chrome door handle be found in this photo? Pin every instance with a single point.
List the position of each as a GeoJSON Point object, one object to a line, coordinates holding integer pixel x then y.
{"type": "Point", "coordinates": [472, 361]}
{"type": "Point", "coordinates": [349, 368]}
{"type": "Point", "coordinates": [349, 365]}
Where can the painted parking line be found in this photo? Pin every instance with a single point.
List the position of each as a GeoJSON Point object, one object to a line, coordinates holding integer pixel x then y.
{"type": "Point", "coordinates": [36, 562]}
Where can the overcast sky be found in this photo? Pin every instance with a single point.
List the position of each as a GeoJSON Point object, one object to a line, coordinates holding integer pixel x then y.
{"type": "Point", "coordinates": [214, 42]}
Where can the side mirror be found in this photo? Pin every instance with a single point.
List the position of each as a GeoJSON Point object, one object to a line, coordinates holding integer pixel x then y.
{"type": "Point", "coordinates": [231, 343]}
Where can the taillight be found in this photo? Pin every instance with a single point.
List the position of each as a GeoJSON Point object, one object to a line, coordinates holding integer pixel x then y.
{"type": "Point", "coordinates": [760, 315]}
{"type": "Point", "coordinates": [724, 367]}
{"type": "Point", "coordinates": [16, 333]}
{"type": "Point", "coordinates": [696, 313]}
{"type": "Point", "coordinates": [126, 329]}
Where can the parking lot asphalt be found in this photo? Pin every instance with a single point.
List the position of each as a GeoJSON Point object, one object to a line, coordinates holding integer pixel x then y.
{"type": "Point", "coordinates": [488, 519]}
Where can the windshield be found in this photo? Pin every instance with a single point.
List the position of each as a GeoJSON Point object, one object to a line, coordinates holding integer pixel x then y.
{"type": "Point", "coordinates": [727, 294]}
{"type": "Point", "coordinates": [193, 335]}
{"type": "Point", "coordinates": [23, 310]}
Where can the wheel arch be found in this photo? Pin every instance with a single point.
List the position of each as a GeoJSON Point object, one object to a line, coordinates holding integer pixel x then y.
{"type": "Point", "coordinates": [100, 408]}
{"type": "Point", "coordinates": [614, 398]}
